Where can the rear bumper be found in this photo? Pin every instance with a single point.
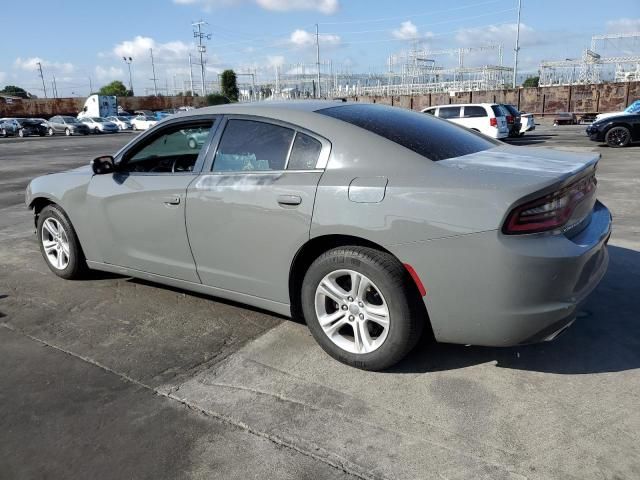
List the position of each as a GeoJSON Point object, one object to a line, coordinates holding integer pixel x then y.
{"type": "Point", "coordinates": [496, 290]}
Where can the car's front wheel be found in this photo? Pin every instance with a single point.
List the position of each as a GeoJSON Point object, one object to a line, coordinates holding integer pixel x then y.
{"type": "Point", "coordinates": [618, 137]}
{"type": "Point", "coordinates": [51, 132]}
{"type": "Point", "coordinates": [361, 307]}
{"type": "Point", "coordinates": [67, 132]}
{"type": "Point", "coordinates": [59, 244]}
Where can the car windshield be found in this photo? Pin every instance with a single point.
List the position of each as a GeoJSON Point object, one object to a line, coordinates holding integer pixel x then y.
{"type": "Point", "coordinates": [148, 117]}
{"type": "Point", "coordinates": [70, 120]}
{"type": "Point", "coordinates": [426, 135]}
{"type": "Point", "coordinates": [98, 119]}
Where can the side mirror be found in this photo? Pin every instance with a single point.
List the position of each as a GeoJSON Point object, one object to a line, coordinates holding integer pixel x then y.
{"type": "Point", "coordinates": [102, 165]}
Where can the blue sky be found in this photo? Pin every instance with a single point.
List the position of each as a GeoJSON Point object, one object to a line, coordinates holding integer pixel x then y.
{"type": "Point", "coordinates": [79, 40]}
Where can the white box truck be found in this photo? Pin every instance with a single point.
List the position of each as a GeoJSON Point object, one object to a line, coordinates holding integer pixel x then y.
{"type": "Point", "coordinates": [100, 106]}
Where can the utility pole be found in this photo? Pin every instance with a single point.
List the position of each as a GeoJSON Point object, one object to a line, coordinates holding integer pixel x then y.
{"type": "Point", "coordinates": [128, 61]}
{"type": "Point", "coordinates": [55, 87]}
{"type": "Point", "coordinates": [44, 87]}
{"type": "Point", "coordinates": [517, 49]}
{"type": "Point", "coordinates": [201, 48]}
{"type": "Point", "coordinates": [90, 86]}
{"type": "Point", "coordinates": [318, 59]}
{"type": "Point", "coordinates": [153, 69]}
{"type": "Point", "coordinates": [191, 75]}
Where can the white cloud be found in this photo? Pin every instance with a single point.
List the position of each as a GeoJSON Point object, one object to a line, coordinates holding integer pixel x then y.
{"type": "Point", "coordinates": [624, 25]}
{"type": "Point", "coordinates": [109, 73]}
{"type": "Point", "coordinates": [302, 38]}
{"type": "Point", "coordinates": [275, 60]}
{"type": "Point", "coordinates": [407, 31]}
{"type": "Point", "coordinates": [504, 34]}
{"type": "Point", "coordinates": [31, 65]}
{"type": "Point", "coordinates": [327, 7]}
{"type": "Point", "coordinates": [140, 47]}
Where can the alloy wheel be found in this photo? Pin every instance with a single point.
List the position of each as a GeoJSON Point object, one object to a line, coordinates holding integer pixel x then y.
{"type": "Point", "coordinates": [352, 311]}
{"type": "Point", "coordinates": [618, 136]}
{"type": "Point", "coordinates": [55, 243]}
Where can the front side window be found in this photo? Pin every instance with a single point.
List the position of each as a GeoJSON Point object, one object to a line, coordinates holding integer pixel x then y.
{"type": "Point", "coordinates": [174, 149]}
{"type": "Point", "coordinates": [449, 112]}
{"type": "Point", "coordinates": [247, 145]}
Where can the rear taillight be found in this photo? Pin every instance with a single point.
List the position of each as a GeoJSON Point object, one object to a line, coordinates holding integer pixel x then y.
{"type": "Point", "coordinates": [550, 212]}
{"type": "Point", "coordinates": [509, 119]}
{"type": "Point", "coordinates": [493, 122]}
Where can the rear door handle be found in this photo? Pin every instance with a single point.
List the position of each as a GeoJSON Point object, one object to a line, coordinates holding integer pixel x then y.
{"type": "Point", "coordinates": [172, 200]}
{"type": "Point", "coordinates": [289, 199]}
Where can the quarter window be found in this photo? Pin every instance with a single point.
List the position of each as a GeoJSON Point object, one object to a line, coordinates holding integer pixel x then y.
{"type": "Point", "coordinates": [305, 153]}
{"type": "Point", "coordinates": [449, 112]}
{"type": "Point", "coordinates": [247, 145]}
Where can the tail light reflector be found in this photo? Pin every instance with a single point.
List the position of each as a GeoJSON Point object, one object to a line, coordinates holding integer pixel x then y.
{"type": "Point", "coordinates": [493, 122]}
{"type": "Point", "coordinates": [510, 119]}
{"type": "Point", "coordinates": [549, 212]}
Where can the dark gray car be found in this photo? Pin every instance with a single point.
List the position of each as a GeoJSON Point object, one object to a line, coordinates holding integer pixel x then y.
{"type": "Point", "coordinates": [370, 222]}
{"type": "Point", "coordinates": [61, 124]}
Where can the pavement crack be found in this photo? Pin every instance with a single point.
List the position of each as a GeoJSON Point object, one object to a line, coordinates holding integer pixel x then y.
{"type": "Point", "coordinates": [327, 457]}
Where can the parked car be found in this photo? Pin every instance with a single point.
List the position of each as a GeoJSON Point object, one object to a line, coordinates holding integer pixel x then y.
{"type": "Point", "coordinates": [9, 126]}
{"type": "Point", "coordinates": [371, 222]}
{"type": "Point", "coordinates": [32, 126]}
{"type": "Point", "coordinates": [630, 110]}
{"type": "Point", "coordinates": [565, 118]}
{"type": "Point", "coordinates": [164, 114]}
{"type": "Point", "coordinates": [514, 120]}
{"type": "Point", "coordinates": [67, 125]}
{"type": "Point", "coordinates": [618, 131]}
{"type": "Point", "coordinates": [123, 122]}
{"type": "Point", "coordinates": [196, 137]}
{"type": "Point", "coordinates": [99, 125]}
{"type": "Point", "coordinates": [528, 122]}
{"type": "Point", "coordinates": [143, 122]}
{"type": "Point", "coordinates": [487, 118]}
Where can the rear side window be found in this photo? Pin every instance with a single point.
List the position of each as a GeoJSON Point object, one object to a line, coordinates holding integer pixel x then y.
{"type": "Point", "coordinates": [426, 135]}
{"type": "Point", "coordinates": [304, 153]}
{"type": "Point", "coordinates": [247, 145]}
{"type": "Point", "coordinates": [431, 111]}
{"type": "Point", "coordinates": [449, 112]}
{"type": "Point", "coordinates": [498, 111]}
{"type": "Point", "coordinates": [474, 111]}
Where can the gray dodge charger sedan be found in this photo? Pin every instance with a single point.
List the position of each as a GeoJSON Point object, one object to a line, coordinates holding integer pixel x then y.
{"type": "Point", "coordinates": [372, 223]}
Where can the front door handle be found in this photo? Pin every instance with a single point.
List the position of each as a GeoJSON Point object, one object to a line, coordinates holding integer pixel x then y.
{"type": "Point", "coordinates": [289, 199]}
{"type": "Point", "coordinates": [172, 200]}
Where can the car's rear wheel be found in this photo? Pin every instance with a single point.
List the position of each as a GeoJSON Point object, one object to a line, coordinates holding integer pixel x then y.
{"type": "Point", "coordinates": [21, 133]}
{"type": "Point", "coordinates": [51, 132]}
{"type": "Point", "coordinates": [67, 132]}
{"type": "Point", "coordinates": [192, 144]}
{"type": "Point", "coordinates": [618, 137]}
{"type": "Point", "coordinates": [133, 127]}
{"type": "Point", "coordinates": [361, 307]}
{"type": "Point", "coordinates": [96, 130]}
{"type": "Point", "coordinates": [59, 244]}
{"type": "Point", "coordinates": [4, 133]}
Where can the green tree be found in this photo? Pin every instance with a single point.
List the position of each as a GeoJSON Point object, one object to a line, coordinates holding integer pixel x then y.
{"type": "Point", "coordinates": [531, 82]}
{"type": "Point", "coordinates": [229, 85]}
{"type": "Point", "coordinates": [15, 91]}
{"type": "Point", "coordinates": [116, 88]}
{"type": "Point", "coordinates": [217, 99]}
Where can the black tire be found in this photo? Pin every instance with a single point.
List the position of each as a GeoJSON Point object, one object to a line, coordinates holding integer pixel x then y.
{"type": "Point", "coordinates": [51, 132]}
{"type": "Point", "coordinates": [77, 264]}
{"type": "Point", "coordinates": [67, 132]}
{"type": "Point", "coordinates": [96, 131]}
{"type": "Point", "coordinates": [4, 133]}
{"type": "Point", "coordinates": [21, 133]}
{"type": "Point", "coordinates": [617, 137]}
{"type": "Point", "coordinates": [406, 314]}
{"type": "Point", "coordinates": [192, 144]}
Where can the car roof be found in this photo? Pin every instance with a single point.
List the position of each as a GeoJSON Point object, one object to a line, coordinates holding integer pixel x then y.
{"type": "Point", "coordinates": [465, 105]}
{"type": "Point", "coordinates": [275, 109]}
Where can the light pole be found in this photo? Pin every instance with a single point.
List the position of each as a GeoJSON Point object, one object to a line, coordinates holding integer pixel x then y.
{"type": "Point", "coordinates": [517, 49]}
{"type": "Point", "coordinates": [128, 61]}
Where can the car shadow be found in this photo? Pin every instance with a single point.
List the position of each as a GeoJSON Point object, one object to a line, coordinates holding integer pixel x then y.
{"type": "Point", "coordinates": [604, 338]}
{"type": "Point", "coordinates": [529, 139]}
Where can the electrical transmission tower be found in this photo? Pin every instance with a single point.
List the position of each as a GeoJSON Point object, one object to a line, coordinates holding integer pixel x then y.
{"type": "Point", "coordinates": [201, 48]}
{"type": "Point", "coordinates": [42, 78]}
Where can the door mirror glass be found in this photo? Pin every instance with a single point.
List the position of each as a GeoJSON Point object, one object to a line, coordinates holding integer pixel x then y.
{"type": "Point", "coordinates": [102, 165]}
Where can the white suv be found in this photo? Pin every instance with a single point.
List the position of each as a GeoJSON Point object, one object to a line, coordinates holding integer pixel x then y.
{"type": "Point", "coordinates": [487, 118]}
